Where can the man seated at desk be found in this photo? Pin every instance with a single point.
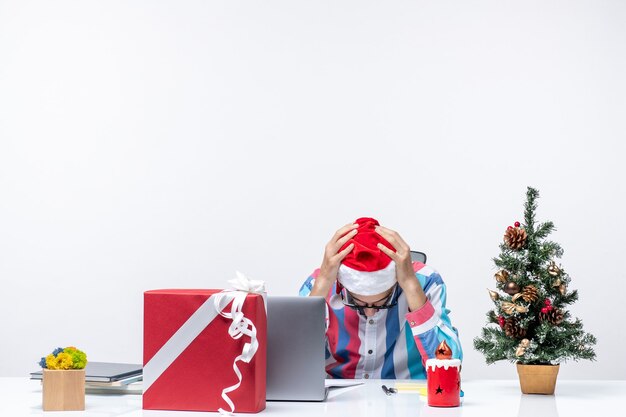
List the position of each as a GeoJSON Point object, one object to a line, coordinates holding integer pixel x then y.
{"type": "Point", "coordinates": [385, 314]}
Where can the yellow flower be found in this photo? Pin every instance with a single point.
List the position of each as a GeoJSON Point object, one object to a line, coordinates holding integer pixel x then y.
{"type": "Point", "coordinates": [61, 361]}
{"type": "Point", "coordinates": [65, 360]}
{"type": "Point", "coordinates": [51, 361]}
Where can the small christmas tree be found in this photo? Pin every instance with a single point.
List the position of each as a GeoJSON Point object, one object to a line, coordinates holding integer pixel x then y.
{"type": "Point", "coordinates": [532, 325]}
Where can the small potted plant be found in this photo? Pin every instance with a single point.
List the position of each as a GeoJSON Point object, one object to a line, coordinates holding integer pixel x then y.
{"type": "Point", "coordinates": [64, 379]}
{"type": "Point", "coordinates": [530, 324]}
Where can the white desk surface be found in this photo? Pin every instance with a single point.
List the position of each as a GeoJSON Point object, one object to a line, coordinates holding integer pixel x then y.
{"type": "Point", "coordinates": [483, 398]}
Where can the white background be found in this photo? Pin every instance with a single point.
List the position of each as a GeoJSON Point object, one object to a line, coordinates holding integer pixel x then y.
{"type": "Point", "coordinates": [156, 144]}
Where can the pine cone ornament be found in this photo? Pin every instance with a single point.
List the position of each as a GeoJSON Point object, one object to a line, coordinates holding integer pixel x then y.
{"type": "Point", "coordinates": [529, 293]}
{"type": "Point", "coordinates": [551, 315]}
{"type": "Point", "coordinates": [512, 329]}
{"type": "Point", "coordinates": [515, 237]}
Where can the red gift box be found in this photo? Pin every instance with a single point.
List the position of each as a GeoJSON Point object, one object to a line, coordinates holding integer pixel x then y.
{"type": "Point", "coordinates": [188, 353]}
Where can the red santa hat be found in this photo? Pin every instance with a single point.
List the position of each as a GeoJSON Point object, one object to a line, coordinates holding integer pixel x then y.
{"type": "Point", "coordinates": [367, 270]}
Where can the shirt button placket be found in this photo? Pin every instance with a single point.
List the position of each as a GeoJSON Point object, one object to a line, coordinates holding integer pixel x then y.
{"type": "Point", "coordinates": [370, 339]}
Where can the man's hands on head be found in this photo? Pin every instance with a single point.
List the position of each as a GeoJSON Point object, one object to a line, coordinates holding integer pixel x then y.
{"type": "Point", "coordinates": [332, 259]}
{"type": "Point", "coordinates": [402, 258]}
{"type": "Point", "coordinates": [404, 267]}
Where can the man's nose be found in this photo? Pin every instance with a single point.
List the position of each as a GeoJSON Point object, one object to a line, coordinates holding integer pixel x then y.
{"type": "Point", "coordinates": [369, 312]}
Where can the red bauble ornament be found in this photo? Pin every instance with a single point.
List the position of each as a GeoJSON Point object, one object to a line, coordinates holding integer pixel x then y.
{"type": "Point", "coordinates": [547, 302]}
{"type": "Point", "coordinates": [516, 224]}
{"type": "Point", "coordinates": [509, 228]}
{"type": "Point", "coordinates": [544, 310]}
{"type": "Point", "coordinates": [501, 321]}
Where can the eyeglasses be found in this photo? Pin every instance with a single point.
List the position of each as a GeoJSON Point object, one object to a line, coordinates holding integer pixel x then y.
{"type": "Point", "coordinates": [384, 303]}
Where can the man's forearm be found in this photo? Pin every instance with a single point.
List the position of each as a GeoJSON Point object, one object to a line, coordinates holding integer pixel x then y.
{"type": "Point", "coordinates": [415, 296]}
{"type": "Point", "coordinates": [321, 287]}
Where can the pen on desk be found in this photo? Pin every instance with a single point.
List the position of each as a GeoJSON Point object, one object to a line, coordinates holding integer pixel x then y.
{"type": "Point", "coordinates": [389, 391]}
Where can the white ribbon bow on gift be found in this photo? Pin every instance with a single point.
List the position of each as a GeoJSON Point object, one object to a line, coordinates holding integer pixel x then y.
{"type": "Point", "coordinates": [242, 283]}
{"type": "Point", "coordinates": [240, 326]}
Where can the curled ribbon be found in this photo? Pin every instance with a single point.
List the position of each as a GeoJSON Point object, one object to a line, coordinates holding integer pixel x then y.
{"type": "Point", "coordinates": [240, 326]}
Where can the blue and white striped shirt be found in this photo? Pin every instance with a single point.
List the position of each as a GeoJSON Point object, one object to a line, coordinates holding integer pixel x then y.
{"type": "Point", "coordinates": [393, 343]}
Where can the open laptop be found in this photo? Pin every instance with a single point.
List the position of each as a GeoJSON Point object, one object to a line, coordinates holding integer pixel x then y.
{"type": "Point", "coordinates": [296, 342]}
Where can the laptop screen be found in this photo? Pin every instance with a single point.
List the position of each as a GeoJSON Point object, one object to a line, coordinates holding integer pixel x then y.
{"type": "Point", "coordinates": [296, 339]}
